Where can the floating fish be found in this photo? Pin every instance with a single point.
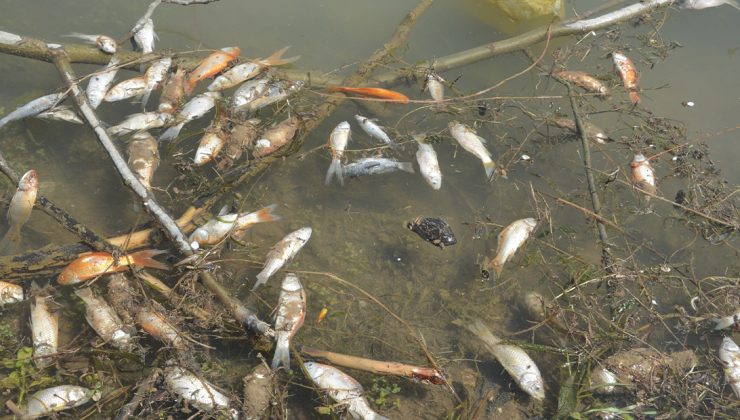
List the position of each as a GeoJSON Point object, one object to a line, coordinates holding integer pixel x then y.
{"type": "Point", "coordinates": [245, 71]}
{"type": "Point", "coordinates": [433, 230]}
{"type": "Point", "coordinates": [104, 320]}
{"type": "Point", "coordinates": [374, 130]}
{"type": "Point", "coordinates": [61, 113]}
{"type": "Point", "coordinates": [727, 321]}
{"type": "Point", "coordinates": [212, 65]}
{"type": "Point", "coordinates": [435, 85]}
{"type": "Point", "coordinates": [291, 311]}
{"type": "Point", "coordinates": [276, 138]}
{"type": "Point", "coordinates": [639, 365]}
{"type": "Point", "coordinates": [173, 92]}
{"type": "Point", "coordinates": [628, 73]}
{"type": "Point", "coordinates": [642, 174]}
{"type": "Point", "coordinates": [428, 163]}
{"type": "Point", "coordinates": [196, 391]}
{"type": "Point", "coordinates": [140, 122]}
{"type": "Point", "coordinates": [33, 108]}
{"type": "Point", "coordinates": [473, 143]}
{"type": "Point", "coordinates": [515, 360]}
{"type": "Point", "coordinates": [94, 264]}
{"type": "Point", "coordinates": [343, 389]}
{"type": "Point", "coordinates": [241, 137]}
{"type": "Point", "coordinates": [248, 92]}
{"type": "Point", "coordinates": [216, 229]}
{"type": "Point", "coordinates": [213, 141]}
{"type": "Point", "coordinates": [281, 253]}
{"type": "Point", "coordinates": [143, 39]}
{"type": "Point", "coordinates": [585, 81]}
{"type": "Point", "coordinates": [593, 132]}
{"type": "Point", "coordinates": [275, 92]}
{"type": "Point", "coordinates": [729, 355]}
{"type": "Point", "coordinates": [509, 241]}
{"type": "Point", "coordinates": [44, 331]}
{"type": "Point", "coordinates": [130, 88]}
{"type": "Point", "coordinates": [143, 157]}
{"type": "Point", "coordinates": [375, 166]}
{"type": "Point", "coordinates": [10, 293]}
{"type": "Point", "coordinates": [154, 75]}
{"type": "Point", "coordinates": [378, 93]}
{"type": "Point", "coordinates": [57, 398]}
{"type": "Point", "coordinates": [100, 82]}
{"type": "Point", "coordinates": [20, 208]}
{"type": "Point", "coordinates": [104, 42]}
{"type": "Point", "coordinates": [337, 143]}
{"type": "Point", "coordinates": [158, 326]}
{"type": "Point", "coordinates": [704, 4]}
{"type": "Point", "coordinates": [196, 108]}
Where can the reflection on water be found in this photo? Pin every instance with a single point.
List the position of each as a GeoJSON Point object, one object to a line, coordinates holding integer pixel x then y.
{"type": "Point", "coordinates": [359, 230]}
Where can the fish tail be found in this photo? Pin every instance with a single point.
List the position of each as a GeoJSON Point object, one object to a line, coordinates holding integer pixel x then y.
{"type": "Point", "coordinates": [172, 132]}
{"type": "Point", "coordinates": [146, 259]}
{"type": "Point", "coordinates": [266, 214]}
{"type": "Point", "coordinates": [479, 329]}
{"type": "Point", "coordinates": [334, 169]}
{"type": "Point", "coordinates": [634, 97]}
{"type": "Point", "coordinates": [490, 167]}
{"type": "Point", "coordinates": [84, 293]}
{"type": "Point", "coordinates": [276, 59]}
{"type": "Point", "coordinates": [406, 167]}
{"type": "Point", "coordinates": [492, 268]}
{"type": "Point", "coordinates": [261, 279]}
{"type": "Point", "coordinates": [10, 240]}
{"type": "Point", "coordinates": [145, 99]}
{"type": "Point", "coordinates": [282, 353]}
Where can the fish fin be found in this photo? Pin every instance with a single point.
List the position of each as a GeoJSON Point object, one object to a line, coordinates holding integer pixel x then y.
{"type": "Point", "coordinates": [334, 169]}
{"type": "Point", "coordinates": [406, 167]}
{"type": "Point", "coordinates": [10, 240]}
{"type": "Point", "coordinates": [145, 259]}
{"type": "Point", "coordinates": [733, 3]}
{"type": "Point", "coordinates": [224, 210]}
{"type": "Point", "coordinates": [172, 132]}
{"type": "Point", "coordinates": [262, 278]}
{"type": "Point", "coordinates": [480, 330]}
{"type": "Point", "coordinates": [282, 353]}
{"type": "Point", "coordinates": [276, 59]}
{"type": "Point", "coordinates": [266, 214]}
{"type": "Point", "coordinates": [490, 168]}
{"type": "Point", "coordinates": [634, 97]}
{"type": "Point", "coordinates": [482, 140]}
{"type": "Point", "coordinates": [84, 293]}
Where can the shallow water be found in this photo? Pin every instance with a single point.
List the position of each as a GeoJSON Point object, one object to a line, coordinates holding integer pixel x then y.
{"type": "Point", "coordinates": [359, 230]}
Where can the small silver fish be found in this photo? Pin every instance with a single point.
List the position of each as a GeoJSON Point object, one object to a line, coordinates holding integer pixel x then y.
{"type": "Point", "coordinates": [61, 113]}
{"type": "Point", "coordinates": [57, 398]}
{"type": "Point", "coordinates": [44, 331]}
{"type": "Point", "coordinates": [33, 108]}
{"type": "Point", "coordinates": [216, 229]}
{"type": "Point", "coordinates": [248, 92]}
{"type": "Point", "coordinates": [275, 92]}
{"type": "Point", "coordinates": [126, 89]}
{"type": "Point", "coordinates": [140, 122]}
{"type": "Point", "coordinates": [291, 311]}
{"type": "Point", "coordinates": [104, 42]}
{"type": "Point", "coordinates": [143, 156]}
{"type": "Point", "coordinates": [509, 240]}
{"type": "Point", "coordinates": [374, 130]}
{"type": "Point", "coordinates": [144, 37]}
{"type": "Point", "coordinates": [435, 86]}
{"type": "Point", "coordinates": [642, 174]}
{"type": "Point", "coordinates": [729, 355]}
{"type": "Point", "coordinates": [194, 109]}
{"type": "Point", "coordinates": [155, 75]}
{"type": "Point", "coordinates": [704, 4]}
{"type": "Point", "coordinates": [340, 135]}
{"type": "Point", "coordinates": [104, 320]}
{"type": "Point", "coordinates": [343, 389]}
{"type": "Point", "coordinates": [10, 293]}
{"type": "Point", "coordinates": [375, 166]}
{"type": "Point", "coordinates": [213, 141]}
{"type": "Point", "coordinates": [196, 391]}
{"type": "Point", "coordinates": [473, 143]}
{"type": "Point", "coordinates": [281, 253]}
{"type": "Point", "coordinates": [20, 209]}
{"type": "Point", "coordinates": [428, 163]}
{"type": "Point", "coordinates": [100, 82]}
{"type": "Point", "coordinates": [727, 321]}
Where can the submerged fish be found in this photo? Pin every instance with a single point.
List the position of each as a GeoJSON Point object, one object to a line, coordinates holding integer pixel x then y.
{"type": "Point", "coordinates": [642, 174]}
{"type": "Point", "coordinates": [343, 389]}
{"type": "Point", "coordinates": [10, 293]}
{"type": "Point", "coordinates": [639, 365]}
{"type": "Point", "coordinates": [378, 93]}
{"type": "Point", "coordinates": [20, 208]}
{"type": "Point", "coordinates": [143, 157]}
{"type": "Point", "coordinates": [158, 326]}
{"type": "Point", "coordinates": [337, 143]}
{"type": "Point", "coordinates": [173, 92]}
{"type": "Point", "coordinates": [428, 163]}
{"type": "Point", "coordinates": [212, 142]}
{"type": "Point", "coordinates": [104, 320]}
{"type": "Point", "coordinates": [628, 73]}
{"type": "Point", "coordinates": [143, 39]}
{"type": "Point", "coordinates": [275, 92]}
{"type": "Point", "coordinates": [122, 296]}
{"type": "Point", "coordinates": [248, 92]}
{"type": "Point", "coordinates": [245, 71]}
{"type": "Point", "coordinates": [585, 81]}
{"type": "Point", "coordinates": [61, 113]}
{"type": "Point", "coordinates": [515, 360]}
{"type": "Point", "coordinates": [140, 122]}
{"type": "Point", "coordinates": [240, 138]}
{"type": "Point", "coordinates": [276, 138]}
{"type": "Point", "coordinates": [100, 82]}
{"type": "Point", "coordinates": [104, 42]}
{"type": "Point", "coordinates": [727, 321]}
{"type": "Point", "coordinates": [435, 86]}
{"type": "Point", "coordinates": [154, 75]}
{"type": "Point", "coordinates": [374, 130]}
{"type": "Point", "coordinates": [212, 65]}
{"type": "Point", "coordinates": [433, 230]}
{"type": "Point", "coordinates": [196, 391]}
{"type": "Point", "coordinates": [258, 391]}
{"type": "Point", "coordinates": [473, 143]}
{"type": "Point", "coordinates": [129, 88]}
{"type": "Point", "coordinates": [509, 241]}
{"type": "Point", "coordinates": [291, 311]}
{"type": "Point", "coordinates": [33, 108]}
{"type": "Point", "coordinates": [281, 253]}
{"type": "Point", "coordinates": [729, 355]}
{"type": "Point", "coordinates": [704, 4]}
{"type": "Point", "coordinates": [194, 109]}
{"type": "Point", "coordinates": [216, 229]}
{"type": "Point", "coordinates": [375, 166]}
{"type": "Point", "coordinates": [94, 264]}
{"type": "Point", "coordinates": [57, 398]}
{"type": "Point", "coordinates": [44, 331]}
{"type": "Point", "coordinates": [593, 132]}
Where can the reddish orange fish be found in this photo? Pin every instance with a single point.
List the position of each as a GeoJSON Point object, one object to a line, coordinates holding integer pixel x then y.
{"type": "Point", "coordinates": [212, 65]}
{"type": "Point", "coordinates": [94, 264]}
{"type": "Point", "coordinates": [379, 93]}
{"type": "Point", "coordinates": [628, 73]}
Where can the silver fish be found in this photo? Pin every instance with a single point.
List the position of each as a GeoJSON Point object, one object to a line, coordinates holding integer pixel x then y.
{"type": "Point", "coordinates": [213, 140]}
{"type": "Point", "coordinates": [729, 355]}
{"type": "Point", "coordinates": [57, 398]}
{"type": "Point", "coordinates": [275, 92]}
{"type": "Point", "coordinates": [198, 392]}
{"type": "Point", "coordinates": [638, 365]}
{"type": "Point", "coordinates": [515, 360]}
{"type": "Point", "coordinates": [435, 86]}
{"type": "Point", "coordinates": [33, 108]}
{"type": "Point", "coordinates": [155, 75]}
{"type": "Point", "coordinates": [509, 240]}
{"type": "Point", "coordinates": [100, 82]}
{"type": "Point", "coordinates": [474, 144]}
{"type": "Point", "coordinates": [704, 4]}
{"type": "Point", "coordinates": [216, 229]}
{"type": "Point", "coordinates": [10, 293]}
{"type": "Point", "coordinates": [281, 253]}
{"type": "Point", "coordinates": [126, 89]}
{"type": "Point", "coordinates": [140, 122]}
{"type": "Point", "coordinates": [245, 71]}
{"type": "Point", "coordinates": [727, 321]}
{"type": "Point", "coordinates": [144, 37]}
{"type": "Point", "coordinates": [104, 42]}
{"type": "Point", "coordinates": [194, 109]}
{"type": "Point", "coordinates": [143, 156]}
{"type": "Point", "coordinates": [248, 92]}
{"type": "Point", "coordinates": [104, 320]}
{"type": "Point", "coordinates": [44, 331]}
{"type": "Point", "coordinates": [428, 163]}
{"type": "Point", "coordinates": [374, 130]}
{"type": "Point", "coordinates": [375, 166]}
{"type": "Point", "coordinates": [291, 311]}
{"type": "Point", "coordinates": [20, 208]}
{"type": "Point", "coordinates": [61, 113]}
{"type": "Point", "coordinates": [343, 389]}
{"type": "Point", "coordinates": [340, 135]}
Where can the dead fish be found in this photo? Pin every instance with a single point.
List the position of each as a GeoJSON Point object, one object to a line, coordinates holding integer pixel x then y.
{"type": "Point", "coordinates": [216, 229]}
{"type": "Point", "coordinates": [248, 92]}
{"type": "Point", "coordinates": [727, 321]}
{"type": "Point", "coordinates": [435, 86]}
{"type": "Point", "coordinates": [126, 89]}
{"type": "Point", "coordinates": [642, 174]}
{"type": "Point", "coordinates": [343, 389]}
{"type": "Point", "coordinates": [291, 311]}
{"type": "Point", "coordinates": [281, 253]}
{"type": "Point", "coordinates": [100, 82]}
{"type": "Point", "coordinates": [212, 142]}
{"type": "Point", "coordinates": [196, 108]}
{"type": "Point", "coordinates": [433, 230]}
{"type": "Point", "coordinates": [340, 135]}
{"type": "Point", "coordinates": [274, 93]}
{"type": "Point", "coordinates": [585, 81]}
{"type": "Point", "coordinates": [33, 108]}
{"type": "Point", "coordinates": [104, 320]}
{"type": "Point", "coordinates": [57, 398]}
{"type": "Point", "coordinates": [140, 122]}
{"type": "Point", "coordinates": [729, 355]}
{"type": "Point", "coordinates": [143, 157]}
{"type": "Point", "coordinates": [123, 299]}
{"type": "Point", "coordinates": [473, 143]}
{"type": "Point", "coordinates": [212, 65]}
{"type": "Point", "coordinates": [44, 331]}
{"type": "Point", "coordinates": [10, 293]}
{"type": "Point", "coordinates": [173, 92]}
{"type": "Point", "coordinates": [509, 241]}
{"type": "Point", "coordinates": [704, 4]}
{"type": "Point", "coordinates": [258, 391]}
{"type": "Point", "coordinates": [104, 42]}
{"type": "Point", "coordinates": [375, 166]}
{"type": "Point", "coordinates": [158, 326]}
{"type": "Point", "coordinates": [154, 75]}
{"type": "Point", "coordinates": [428, 163]}
{"type": "Point", "coordinates": [245, 71]}
{"type": "Point", "coordinates": [639, 365]}
{"type": "Point", "coordinates": [143, 39]}
{"type": "Point", "coordinates": [241, 137]}
{"type": "Point", "coordinates": [515, 360]}
{"type": "Point", "coordinates": [593, 132]}
{"type": "Point", "coordinates": [628, 73]}
{"type": "Point", "coordinates": [197, 392]}
{"type": "Point", "coordinates": [276, 138]}
{"type": "Point", "coordinates": [93, 264]}
{"type": "Point", "coordinates": [20, 208]}
{"type": "Point", "coordinates": [374, 130]}
{"type": "Point", "coordinates": [61, 113]}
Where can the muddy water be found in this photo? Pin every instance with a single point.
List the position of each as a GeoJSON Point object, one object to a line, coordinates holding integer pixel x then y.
{"type": "Point", "coordinates": [359, 233]}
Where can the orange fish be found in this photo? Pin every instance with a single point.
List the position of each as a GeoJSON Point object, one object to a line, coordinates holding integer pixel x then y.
{"type": "Point", "coordinates": [628, 73]}
{"type": "Point", "coordinates": [94, 264]}
{"type": "Point", "coordinates": [212, 65]}
{"type": "Point", "coordinates": [372, 93]}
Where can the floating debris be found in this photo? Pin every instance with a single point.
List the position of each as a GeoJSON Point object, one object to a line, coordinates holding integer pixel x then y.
{"type": "Point", "coordinates": [433, 230]}
{"type": "Point", "coordinates": [640, 365]}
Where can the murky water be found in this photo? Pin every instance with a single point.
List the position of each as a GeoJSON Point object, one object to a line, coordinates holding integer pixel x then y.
{"type": "Point", "coordinates": [359, 230]}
